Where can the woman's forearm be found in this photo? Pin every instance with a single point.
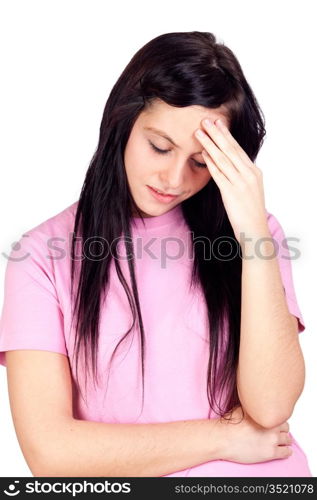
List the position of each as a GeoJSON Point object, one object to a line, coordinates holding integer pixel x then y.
{"type": "Point", "coordinates": [271, 370]}
{"type": "Point", "coordinates": [84, 448]}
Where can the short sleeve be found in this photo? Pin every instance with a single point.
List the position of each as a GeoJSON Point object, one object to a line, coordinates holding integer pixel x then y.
{"type": "Point", "coordinates": [285, 259]}
{"type": "Point", "coordinates": [31, 316]}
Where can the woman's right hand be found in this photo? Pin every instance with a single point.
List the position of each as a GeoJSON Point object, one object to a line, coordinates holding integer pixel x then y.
{"type": "Point", "coordinates": [245, 441]}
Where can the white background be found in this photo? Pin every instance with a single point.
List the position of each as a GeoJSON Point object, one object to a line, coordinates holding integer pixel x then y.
{"type": "Point", "coordinates": [59, 61]}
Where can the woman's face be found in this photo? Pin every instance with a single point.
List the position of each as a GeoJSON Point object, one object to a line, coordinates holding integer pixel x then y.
{"type": "Point", "coordinates": [181, 170]}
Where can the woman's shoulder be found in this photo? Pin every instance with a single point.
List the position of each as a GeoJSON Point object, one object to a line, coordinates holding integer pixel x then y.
{"type": "Point", "coordinates": [274, 223]}
{"type": "Point", "coordinates": [39, 244]}
{"type": "Point", "coordinates": [59, 222]}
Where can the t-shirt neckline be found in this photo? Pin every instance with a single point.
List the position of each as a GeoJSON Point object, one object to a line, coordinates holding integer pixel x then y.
{"type": "Point", "coordinates": [172, 216]}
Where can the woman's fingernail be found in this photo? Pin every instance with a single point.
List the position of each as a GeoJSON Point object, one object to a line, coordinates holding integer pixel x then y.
{"type": "Point", "coordinates": [199, 133]}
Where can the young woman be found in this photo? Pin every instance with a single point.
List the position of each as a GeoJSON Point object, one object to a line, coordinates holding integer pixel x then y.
{"type": "Point", "coordinates": [151, 327]}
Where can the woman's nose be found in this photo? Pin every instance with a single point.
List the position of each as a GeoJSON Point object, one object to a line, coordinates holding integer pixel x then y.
{"type": "Point", "coordinates": [173, 177]}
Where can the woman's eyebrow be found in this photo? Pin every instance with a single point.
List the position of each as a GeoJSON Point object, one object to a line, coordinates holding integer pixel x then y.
{"type": "Point", "coordinates": [163, 134]}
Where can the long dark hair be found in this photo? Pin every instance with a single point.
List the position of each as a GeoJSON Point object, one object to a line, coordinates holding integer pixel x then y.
{"type": "Point", "coordinates": [182, 69]}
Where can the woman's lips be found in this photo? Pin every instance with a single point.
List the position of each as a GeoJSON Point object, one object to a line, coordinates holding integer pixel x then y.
{"type": "Point", "coordinates": [165, 198]}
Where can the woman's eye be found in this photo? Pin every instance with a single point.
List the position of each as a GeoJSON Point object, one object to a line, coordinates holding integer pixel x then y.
{"type": "Point", "coordinates": [164, 151]}
{"type": "Point", "coordinates": [161, 151]}
{"type": "Point", "coordinates": [201, 165]}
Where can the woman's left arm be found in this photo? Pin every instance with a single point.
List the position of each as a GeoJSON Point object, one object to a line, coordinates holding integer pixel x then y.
{"type": "Point", "coordinates": [271, 369]}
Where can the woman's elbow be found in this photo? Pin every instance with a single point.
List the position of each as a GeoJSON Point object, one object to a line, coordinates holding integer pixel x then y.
{"type": "Point", "coordinates": [270, 420]}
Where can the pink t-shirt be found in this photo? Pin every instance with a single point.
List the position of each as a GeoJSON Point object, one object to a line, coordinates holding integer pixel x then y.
{"type": "Point", "coordinates": [36, 315]}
